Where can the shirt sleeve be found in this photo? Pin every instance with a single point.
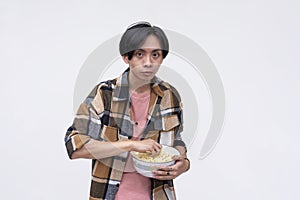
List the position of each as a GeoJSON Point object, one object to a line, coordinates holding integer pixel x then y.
{"type": "Point", "coordinates": [179, 130]}
{"type": "Point", "coordinates": [178, 109]}
{"type": "Point", "coordinates": [87, 122]}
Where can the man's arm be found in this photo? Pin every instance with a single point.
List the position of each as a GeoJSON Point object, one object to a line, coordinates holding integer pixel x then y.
{"type": "Point", "coordinates": [95, 149]}
{"type": "Point", "coordinates": [87, 122]}
{"type": "Point", "coordinates": [182, 164]}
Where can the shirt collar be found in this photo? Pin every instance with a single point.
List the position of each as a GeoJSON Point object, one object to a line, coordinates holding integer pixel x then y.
{"type": "Point", "coordinates": [121, 89]}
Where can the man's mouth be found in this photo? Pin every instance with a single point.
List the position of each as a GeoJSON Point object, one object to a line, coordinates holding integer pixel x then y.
{"type": "Point", "coordinates": [147, 73]}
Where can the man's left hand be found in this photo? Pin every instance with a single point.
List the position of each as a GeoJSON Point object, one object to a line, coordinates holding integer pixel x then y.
{"type": "Point", "coordinates": [170, 172]}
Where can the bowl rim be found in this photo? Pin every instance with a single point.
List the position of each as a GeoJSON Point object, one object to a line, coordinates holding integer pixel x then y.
{"type": "Point", "coordinates": [134, 157]}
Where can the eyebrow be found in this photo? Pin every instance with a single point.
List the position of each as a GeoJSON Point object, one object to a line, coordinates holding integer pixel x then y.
{"type": "Point", "coordinates": [152, 50]}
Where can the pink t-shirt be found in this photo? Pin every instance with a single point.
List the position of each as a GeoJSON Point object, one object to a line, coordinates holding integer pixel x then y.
{"type": "Point", "coordinates": [135, 186]}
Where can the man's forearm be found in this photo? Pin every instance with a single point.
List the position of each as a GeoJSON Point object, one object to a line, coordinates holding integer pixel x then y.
{"type": "Point", "coordinates": [181, 149]}
{"type": "Point", "coordinates": [95, 149]}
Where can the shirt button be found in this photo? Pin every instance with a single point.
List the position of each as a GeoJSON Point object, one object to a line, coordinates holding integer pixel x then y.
{"type": "Point", "coordinates": [136, 123]}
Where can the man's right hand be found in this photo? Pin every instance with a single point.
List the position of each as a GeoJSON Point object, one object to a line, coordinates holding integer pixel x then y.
{"type": "Point", "coordinates": [146, 146]}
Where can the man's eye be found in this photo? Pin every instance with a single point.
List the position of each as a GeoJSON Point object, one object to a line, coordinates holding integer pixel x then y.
{"type": "Point", "coordinates": [155, 54]}
{"type": "Point", "coordinates": [139, 54]}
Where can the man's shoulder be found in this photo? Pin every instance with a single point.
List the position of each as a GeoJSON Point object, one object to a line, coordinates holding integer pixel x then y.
{"type": "Point", "coordinates": [167, 87]}
{"type": "Point", "coordinates": [171, 97]}
{"type": "Point", "coordinates": [103, 88]}
{"type": "Point", "coordinates": [107, 85]}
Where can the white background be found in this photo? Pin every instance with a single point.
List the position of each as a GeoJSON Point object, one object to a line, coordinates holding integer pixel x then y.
{"type": "Point", "coordinates": [254, 45]}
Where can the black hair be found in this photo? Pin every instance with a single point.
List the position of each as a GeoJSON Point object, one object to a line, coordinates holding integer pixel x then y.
{"type": "Point", "coordinates": [136, 34]}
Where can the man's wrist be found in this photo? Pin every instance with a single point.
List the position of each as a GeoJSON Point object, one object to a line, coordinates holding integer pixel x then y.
{"type": "Point", "coordinates": [188, 164]}
{"type": "Point", "coordinates": [130, 145]}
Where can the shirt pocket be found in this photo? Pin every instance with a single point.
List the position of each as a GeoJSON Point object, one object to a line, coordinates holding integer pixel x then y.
{"type": "Point", "coordinates": [167, 133]}
{"type": "Point", "coordinates": [109, 133]}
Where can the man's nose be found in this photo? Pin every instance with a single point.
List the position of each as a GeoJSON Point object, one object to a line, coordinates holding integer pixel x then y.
{"type": "Point", "coordinates": [148, 61]}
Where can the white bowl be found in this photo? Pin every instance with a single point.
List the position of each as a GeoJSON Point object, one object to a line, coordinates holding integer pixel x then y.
{"type": "Point", "coordinates": [145, 168]}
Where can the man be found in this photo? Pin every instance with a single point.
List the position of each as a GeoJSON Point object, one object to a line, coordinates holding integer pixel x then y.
{"type": "Point", "coordinates": [134, 112]}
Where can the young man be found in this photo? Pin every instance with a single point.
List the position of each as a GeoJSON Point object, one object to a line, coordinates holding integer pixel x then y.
{"type": "Point", "coordinates": [134, 112]}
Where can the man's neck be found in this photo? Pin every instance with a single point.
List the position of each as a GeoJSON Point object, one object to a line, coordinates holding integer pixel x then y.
{"type": "Point", "coordinates": [138, 86]}
{"type": "Point", "coordinates": [140, 90]}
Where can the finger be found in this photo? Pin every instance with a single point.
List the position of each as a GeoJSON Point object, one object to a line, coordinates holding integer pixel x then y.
{"type": "Point", "coordinates": [157, 146]}
{"type": "Point", "coordinates": [153, 145]}
{"type": "Point", "coordinates": [153, 153]}
{"type": "Point", "coordinates": [176, 157]}
{"type": "Point", "coordinates": [155, 149]}
{"type": "Point", "coordinates": [174, 167]}
{"type": "Point", "coordinates": [162, 173]}
{"type": "Point", "coordinates": [165, 168]}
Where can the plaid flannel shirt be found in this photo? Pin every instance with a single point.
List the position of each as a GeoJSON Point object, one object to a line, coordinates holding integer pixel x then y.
{"type": "Point", "coordinates": [105, 116]}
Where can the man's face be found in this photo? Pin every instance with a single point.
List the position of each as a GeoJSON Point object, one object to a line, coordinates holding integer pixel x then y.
{"type": "Point", "coordinates": [145, 61]}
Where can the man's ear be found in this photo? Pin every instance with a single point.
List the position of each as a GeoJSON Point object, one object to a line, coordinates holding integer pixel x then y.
{"type": "Point", "coordinates": [125, 59]}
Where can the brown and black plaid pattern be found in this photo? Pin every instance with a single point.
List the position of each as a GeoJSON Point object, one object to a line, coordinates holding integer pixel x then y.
{"type": "Point", "coordinates": [105, 116]}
